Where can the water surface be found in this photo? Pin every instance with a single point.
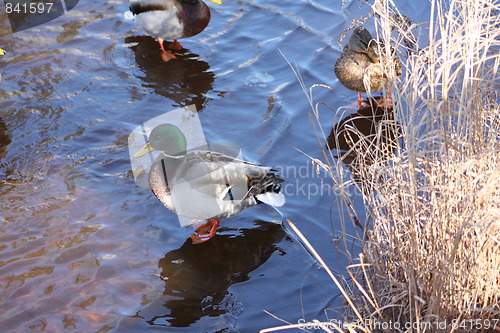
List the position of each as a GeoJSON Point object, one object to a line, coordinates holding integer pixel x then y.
{"type": "Point", "coordinates": [84, 249]}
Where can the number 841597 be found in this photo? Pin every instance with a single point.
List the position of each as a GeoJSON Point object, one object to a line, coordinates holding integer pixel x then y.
{"type": "Point", "coordinates": [28, 8]}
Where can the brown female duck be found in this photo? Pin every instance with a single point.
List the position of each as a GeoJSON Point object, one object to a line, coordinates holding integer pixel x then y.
{"type": "Point", "coordinates": [360, 66]}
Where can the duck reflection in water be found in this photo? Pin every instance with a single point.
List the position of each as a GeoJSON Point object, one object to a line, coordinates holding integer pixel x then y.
{"type": "Point", "coordinates": [5, 139]}
{"type": "Point", "coordinates": [197, 278]}
{"type": "Point", "coordinates": [365, 137]}
{"type": "Point", "coordinates": [185, 80]}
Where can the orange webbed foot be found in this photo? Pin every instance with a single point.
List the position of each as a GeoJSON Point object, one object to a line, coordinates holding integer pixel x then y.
{"type": "Point", "coordinates": [205, 231]}
{"type": "Point", "coordinates": [175, 45]}
{"type": "Point", "coordinates": [167, 56]}
{"type": "Point", "coordinates": [385, 103]}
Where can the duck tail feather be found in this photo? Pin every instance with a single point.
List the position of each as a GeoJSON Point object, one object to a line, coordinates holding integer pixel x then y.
{"type": "Point", "coordinates": [267, 190]}
{"type": "Point", "coordinates": [271, 198]}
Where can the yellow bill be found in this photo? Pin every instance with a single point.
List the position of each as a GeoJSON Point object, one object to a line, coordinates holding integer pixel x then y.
{"type": "Point", "coordinates": [216, 1]}
{"type": "Point", "coordinates": [145, 150]}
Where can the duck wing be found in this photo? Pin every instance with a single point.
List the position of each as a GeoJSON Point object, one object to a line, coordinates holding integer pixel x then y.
{"type": "Point", "coordinates": [217, 175]}
{"type": "Point", "coordinates": [204, 184]}
{"type": "Point", "coordinates": [142, 6]}
{"type": "Point", "coordinates": [228, 178]}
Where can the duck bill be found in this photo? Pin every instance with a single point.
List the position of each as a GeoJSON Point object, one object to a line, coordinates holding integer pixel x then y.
{"type": "Point", "coordinates": [145, 150]}
{"type": "Point", "coordinates": [219, 2]}
{"type": "Point", "coordinates": [2, 52]}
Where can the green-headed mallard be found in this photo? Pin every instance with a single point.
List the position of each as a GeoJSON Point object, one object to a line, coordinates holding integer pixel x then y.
{"type": "Point", "coordinates": [171, 19]}
{"type": "Point", "coordinates": [361, 67]}
{"type": "Point", "coordinates": [206, 185]}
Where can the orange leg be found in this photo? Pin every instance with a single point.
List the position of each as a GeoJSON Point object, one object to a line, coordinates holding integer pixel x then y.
{"type": "Point", "coordinates": [360, 98]}
{"type": "Point", "coordinates": [165, 55]}
{"type": "Point", "coordinates": [160, 41]}
{"type": "Point", "coordinates": [205, 231]}
{"type": "Point", "coordinates": [388, 101]}
{"type": "Point", "coordinates": [361, 102]}
{"type": "Point", "coordinates": [175, 45]}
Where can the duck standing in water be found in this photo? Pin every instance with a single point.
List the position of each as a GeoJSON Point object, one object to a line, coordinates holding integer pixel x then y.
{"type": "Point", "coordinates": [171, 19]}
{"type": "Point", "coordinates": [361, 67]}
{"type": "Point", "coordinates": [206, 185]}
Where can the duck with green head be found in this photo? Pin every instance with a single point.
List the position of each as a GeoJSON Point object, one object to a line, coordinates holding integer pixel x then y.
{"type": "Point", "coordinates": [360, 67]}
{"type": "Point", "coordinates": [171, 19]}
{"type": "Point", "coordinates": [206, 185]}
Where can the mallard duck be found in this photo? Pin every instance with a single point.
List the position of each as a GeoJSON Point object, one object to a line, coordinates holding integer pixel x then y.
{"type": "Point", "coordinates": [361, 67]}
{"type": "Point", "coordinates": [171, 19]}
{"type": "Point", "coordinates": [206, 185]}
{"type": "Point", "coordinates": [2, 52]}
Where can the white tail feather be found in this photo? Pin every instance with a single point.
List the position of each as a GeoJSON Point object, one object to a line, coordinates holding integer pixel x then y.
{"type": "Point", "coordinates": [272, 198]}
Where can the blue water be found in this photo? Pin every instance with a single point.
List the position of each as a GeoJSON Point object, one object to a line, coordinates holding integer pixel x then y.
{"type": "Point", "coordinates": [84, 249]}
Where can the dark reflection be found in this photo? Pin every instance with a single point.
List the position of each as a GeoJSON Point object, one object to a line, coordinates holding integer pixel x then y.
{"type": "Point", "coordinates": [370, 135]}
{"type": "Point", "coordinates": [4, 139]}
{"type": "Point", "coordinates": [185, 80]}
{"type": "Point", "coordinates": [198, 277]}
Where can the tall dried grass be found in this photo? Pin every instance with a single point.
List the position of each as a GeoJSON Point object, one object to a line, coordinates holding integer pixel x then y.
{"type": "Point", "coordinates": [433, 248]}
{"type": "Point", "coordinates": [431, 253]}
{"type": "Point", "coordinates": [434, 245]}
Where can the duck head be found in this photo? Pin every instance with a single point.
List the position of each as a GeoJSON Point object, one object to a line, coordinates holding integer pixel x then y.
{"type": "Point", "coordinates": [362, 41]}
{"type": "Point", "coordinates": [373, 51]}
{"type": "Point", "coordinates": [166, 138]}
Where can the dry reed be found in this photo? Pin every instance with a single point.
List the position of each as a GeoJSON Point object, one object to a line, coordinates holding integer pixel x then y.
{"type": "Point", "coordinates": [434, 242]}
{"type": "Point", "coordinates": [431, 253]}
